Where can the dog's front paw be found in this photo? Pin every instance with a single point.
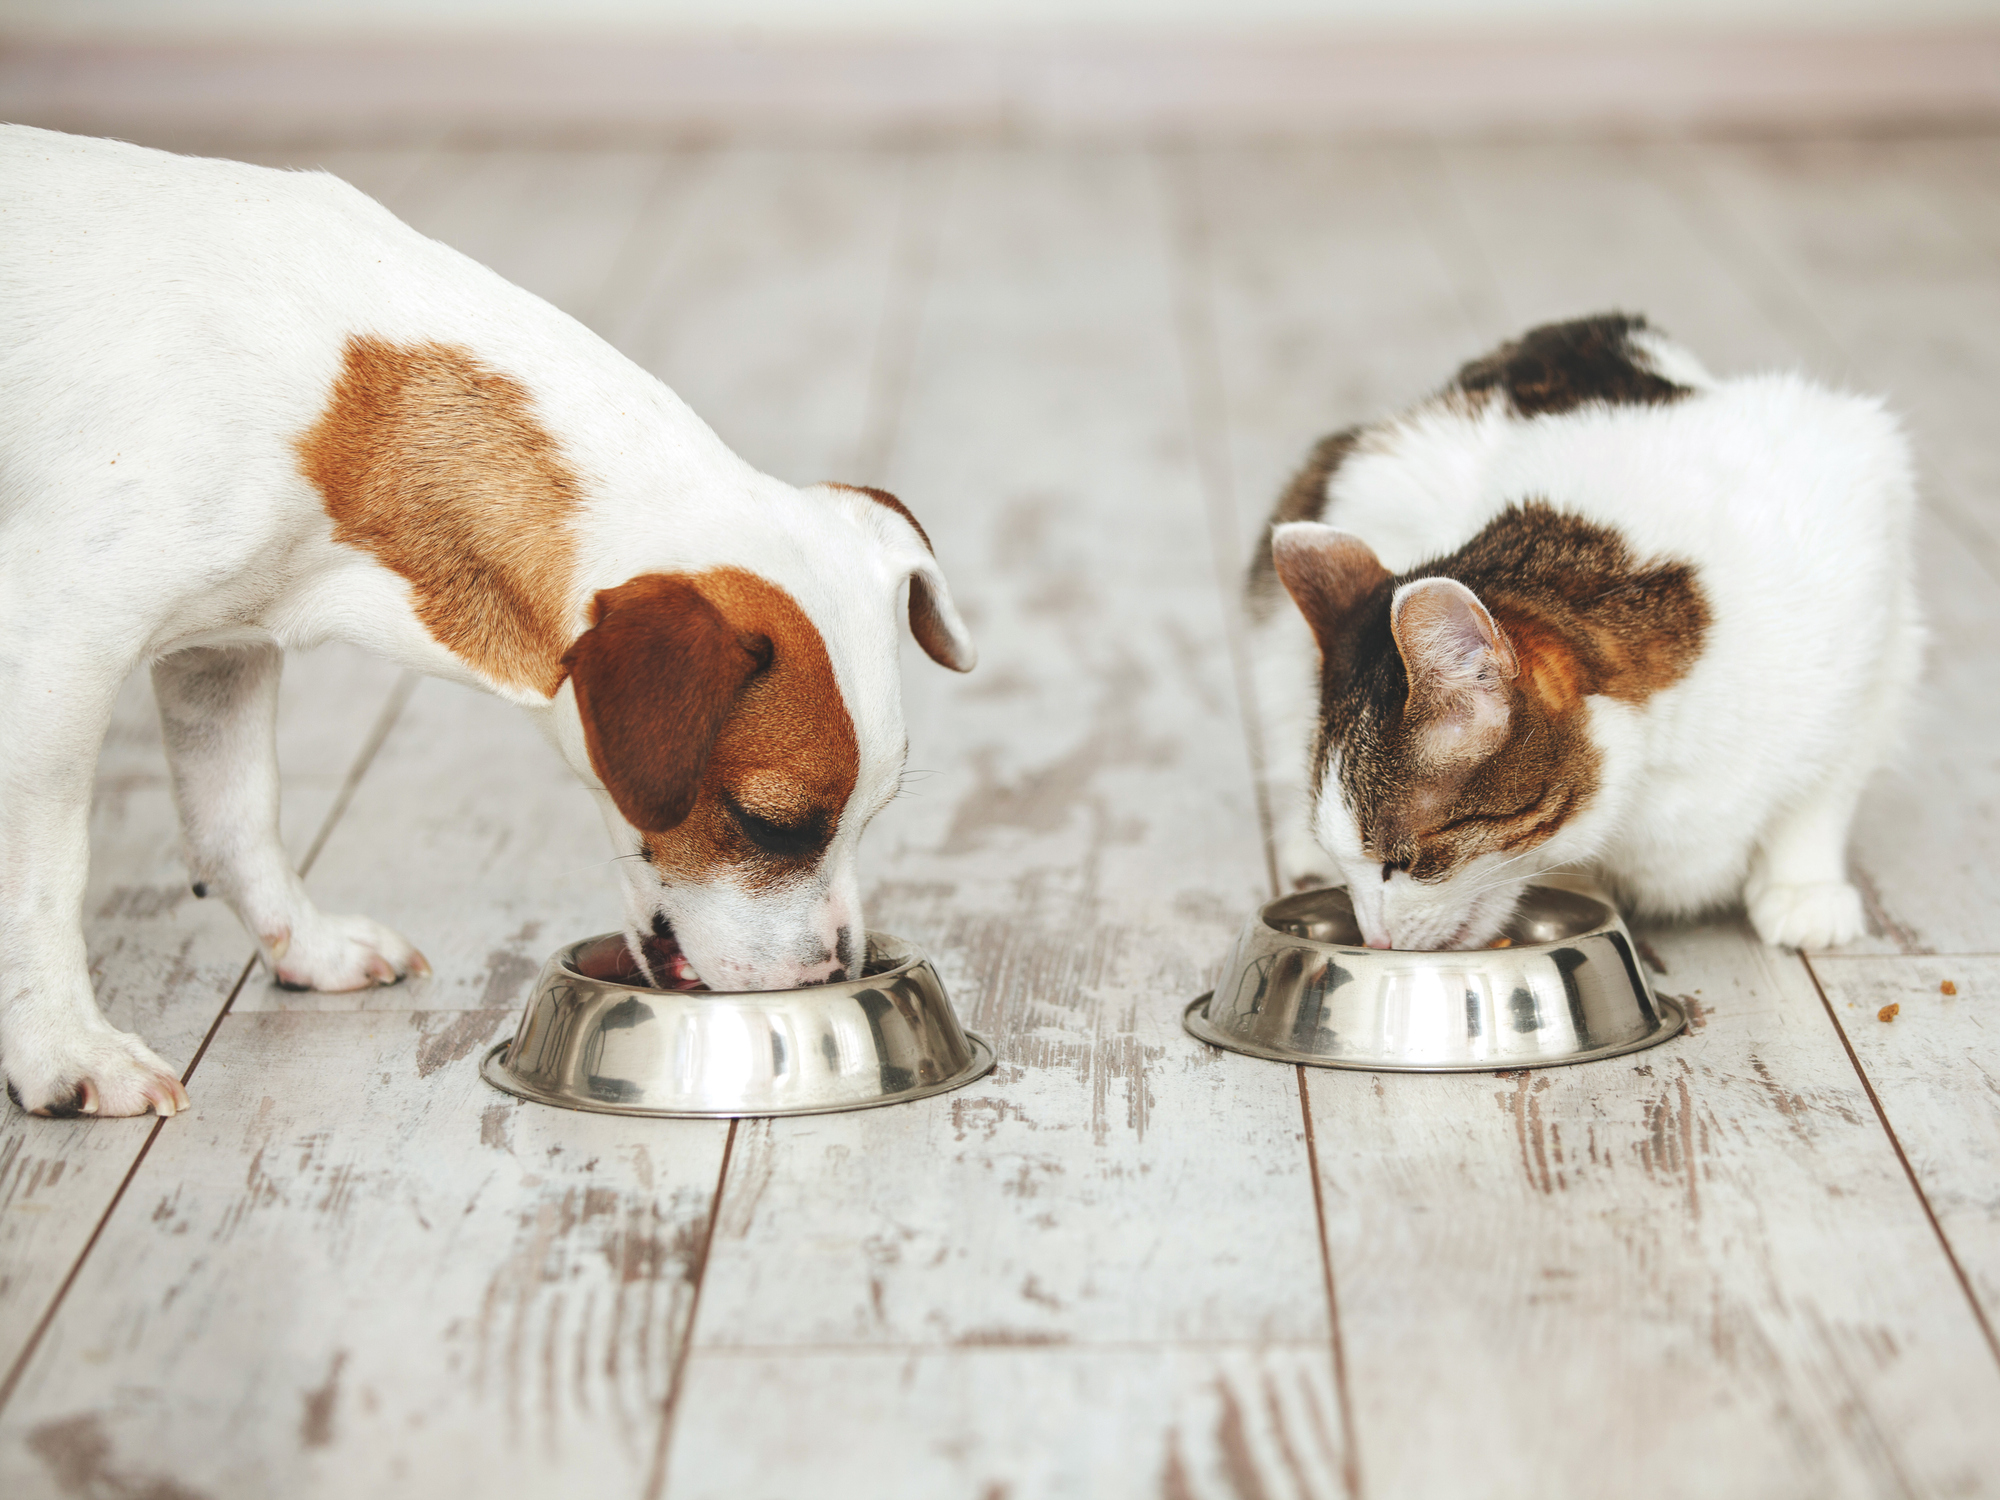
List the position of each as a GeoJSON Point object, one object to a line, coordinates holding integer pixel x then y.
{"type": "Point", "coordinates": [341, 953]}
{"type": "Point", "coordinates": [1822, 915]}
{"type": "Point", "coordinates": [1302, 864]}
{"type": "Point", "coordinates": [96, 1073]}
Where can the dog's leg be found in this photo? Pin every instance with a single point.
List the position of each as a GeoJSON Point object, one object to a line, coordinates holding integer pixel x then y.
{"type": "Point", "coordinates": [219, 712]}
{"type": "Point", "coordinates": [61, 1056]}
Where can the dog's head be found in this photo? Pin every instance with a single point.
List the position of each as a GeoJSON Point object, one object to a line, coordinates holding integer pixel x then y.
{"type": "Point", "coordinates": [746, 725]}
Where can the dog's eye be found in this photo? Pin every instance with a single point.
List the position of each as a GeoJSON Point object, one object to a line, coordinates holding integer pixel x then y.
{"type": "Point", "coordinates": [786, 840]}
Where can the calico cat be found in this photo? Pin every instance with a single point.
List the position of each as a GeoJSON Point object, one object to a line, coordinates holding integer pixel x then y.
{"type": "Point", "coordinates": [1588, 606]}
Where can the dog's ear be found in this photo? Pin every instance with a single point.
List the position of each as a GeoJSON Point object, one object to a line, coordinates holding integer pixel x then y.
{"type": "Point", "coordinates": [655, 676]}
{"type": "Point", "coordinates": [934, 619]}
{"type": "Point", "coordinates": [935, 623]}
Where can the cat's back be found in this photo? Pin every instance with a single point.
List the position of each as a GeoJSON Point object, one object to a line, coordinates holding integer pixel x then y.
{"type": "Point", "coordinates": [1726, 474]}
{"type": "Point", "coordinates": [1607, 419]}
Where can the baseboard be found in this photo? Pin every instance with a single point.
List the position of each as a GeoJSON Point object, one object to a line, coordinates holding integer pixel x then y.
{"type": "Point", "coordinates": [1445, 84]}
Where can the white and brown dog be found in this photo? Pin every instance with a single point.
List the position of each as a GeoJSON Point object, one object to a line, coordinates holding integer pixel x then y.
{"type": "Point", "coordinates": [247, 410]}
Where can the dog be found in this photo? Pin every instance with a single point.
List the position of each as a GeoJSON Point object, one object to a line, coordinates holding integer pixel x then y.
{"type": "Point", "coordinates": [249, 411]}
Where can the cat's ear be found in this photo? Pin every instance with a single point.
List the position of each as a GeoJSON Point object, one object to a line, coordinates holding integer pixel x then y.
{"type": "Point", "coordinates": [1330, 574]}
{"type": "Point", "coordinates": [1459, 664]}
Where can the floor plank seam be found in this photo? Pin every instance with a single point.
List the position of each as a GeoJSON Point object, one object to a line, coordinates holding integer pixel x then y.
{"type": "Point", "coordinates": [1759, 271]}
{"type": "Point", "coordinates": [1437, 209]}
{"type": "Point", "coordinates": [13, 1380]}
{"type": "Point", "coordinates": [1909, 1171]}
{"type": "Point", "coordinates": [399, 695]}
{"type": "Point", "coordinates": [1350, 1458]}
{"type": "Point", "coordinates": [910, 276]}
{"type": "Point", "coordinates": [656, 1481]}
{"type": "Point", "coordinates": [632, 266]}
{"type": "Point", "coordinates": [1026, 1348]}
{"type": "Point", "coordinates": [1201, 372]}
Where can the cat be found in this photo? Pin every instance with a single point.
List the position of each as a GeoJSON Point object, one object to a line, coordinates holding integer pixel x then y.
{"type": "Point", "coordinates": [1588, 607]}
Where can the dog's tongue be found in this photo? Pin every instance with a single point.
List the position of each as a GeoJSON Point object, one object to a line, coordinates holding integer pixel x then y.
{"type": "Point", "coordinates": [670, 967]}
{"type": "Point", "coordinates": [610, 959]}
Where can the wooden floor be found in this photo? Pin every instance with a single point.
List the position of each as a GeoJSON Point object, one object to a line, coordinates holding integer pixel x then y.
{"type": "Point", "coordinates": [1761, 1261]}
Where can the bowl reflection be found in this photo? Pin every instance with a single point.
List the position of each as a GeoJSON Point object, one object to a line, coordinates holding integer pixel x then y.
{"type": "Point", "coordinates": [1300, 986]}
{"type": "Point", "coordinates": [591, 1038]}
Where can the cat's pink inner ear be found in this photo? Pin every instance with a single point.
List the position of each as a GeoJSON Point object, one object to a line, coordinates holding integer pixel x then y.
{"type": "Point", "coordinates": [1329, 574]}
{"type": "Point", "coordinates": [1459, 663]}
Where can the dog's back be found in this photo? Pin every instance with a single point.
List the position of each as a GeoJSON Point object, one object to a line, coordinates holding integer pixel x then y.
{"type": "Point", "coordinates": [176, 326]}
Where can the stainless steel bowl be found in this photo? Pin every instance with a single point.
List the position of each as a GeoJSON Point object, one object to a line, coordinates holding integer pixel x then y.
{"type": "Point", "coordinates": [1301, 987]}
{"type": "Point", "coordinates": [624, 1048]}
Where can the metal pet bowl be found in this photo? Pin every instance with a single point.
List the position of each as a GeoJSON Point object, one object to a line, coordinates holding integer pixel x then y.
{"type": "Point", "coordinates": [596, 1036]}
{"type": "Point", "coordinates": [1301, 987]}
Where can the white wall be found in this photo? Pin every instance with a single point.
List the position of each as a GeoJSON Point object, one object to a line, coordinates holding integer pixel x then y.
{"type": "Point", "coordinates": [780, 19]}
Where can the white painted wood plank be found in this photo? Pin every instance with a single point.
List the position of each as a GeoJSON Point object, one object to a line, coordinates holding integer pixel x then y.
{"type": "Point", "coordinates": [1329, 306]}
{"type": "Point", "coordinates": [1549, 1281]}
{"type": "Point", "coordinates": [375, 1274]}
{"type": "Point", "coordinates": [1927, 837]}
{"type": "Point", "coordinates": [554, 221]}
{"type": "Point", "coordinates": [1209, 1423]}
{"type": "Point", "coordinates": [1571, 229]}
{"type": "Point", "coordinates": [163, 962]}
{"type": "Point", "coordinates": [765, 317]}
{"type": "Point", "coordinates": [1935, 1068]}
{"type": "Point", "coordinates": [1077, 861]}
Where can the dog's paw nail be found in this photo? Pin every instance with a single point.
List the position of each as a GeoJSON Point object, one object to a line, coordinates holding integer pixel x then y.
{"type": "Point", "coordinates": [89, 1092]}
{"type": "Point", "coordinates": [420, 967]}
{"type": "Point", "coordinates": [280, 943]}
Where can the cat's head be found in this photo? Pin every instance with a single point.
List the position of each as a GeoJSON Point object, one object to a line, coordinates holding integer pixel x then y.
{"type": "Point", "coordinates": [1453, 749]}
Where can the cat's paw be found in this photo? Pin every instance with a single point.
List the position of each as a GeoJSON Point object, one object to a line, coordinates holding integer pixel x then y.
{"type": "Point", "coordinates": [1302, 864]}
{"type": "Point", "coordinates": [1822, 915]}
{"type": "Point", "coordinates": [341, 953]}
{"type": "Point", "coordinates": [92, 1073]}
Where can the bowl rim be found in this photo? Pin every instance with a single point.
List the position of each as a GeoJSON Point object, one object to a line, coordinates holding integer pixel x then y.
{"type": "Point", "coordinates": [913, 956]}
{"type": "Point", "coordinates": [1611, 922]}
{"type": "Point", "coordinates": [494, 1069]}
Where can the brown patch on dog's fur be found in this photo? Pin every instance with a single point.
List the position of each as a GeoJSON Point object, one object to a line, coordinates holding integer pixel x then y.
{"type": "Point", "coordinates": [437, 465]}
{"type": "Point", "coordinates": [1583, 617]}
{"type": "Point", "coordinates": [1304, 499]}
{"type": "Point", "coordinates": [768, 733]}
{"type": "Point", "coordinates": [1561, 366]}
